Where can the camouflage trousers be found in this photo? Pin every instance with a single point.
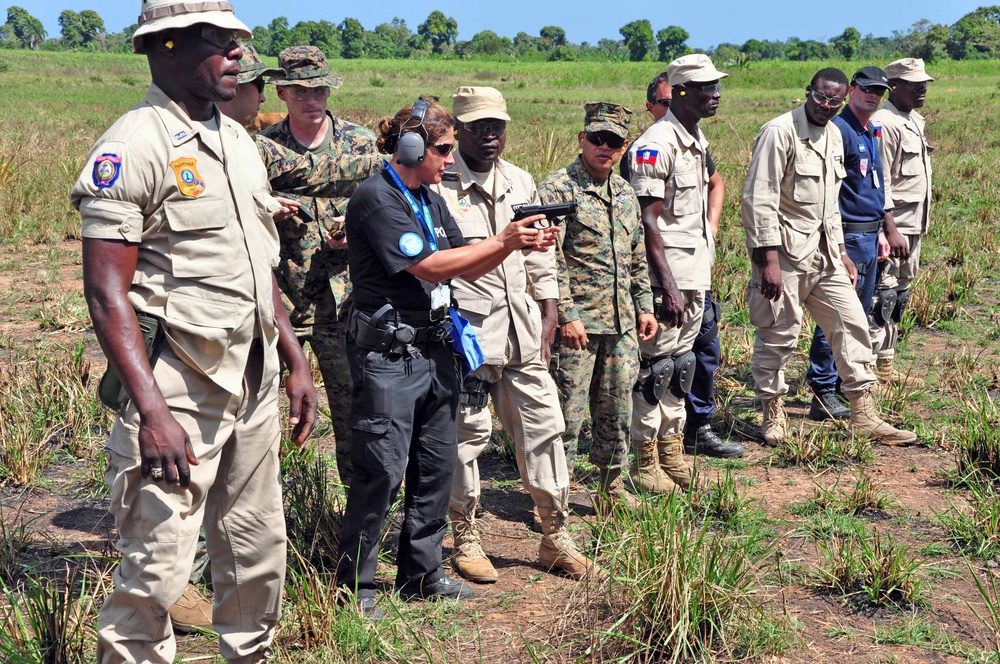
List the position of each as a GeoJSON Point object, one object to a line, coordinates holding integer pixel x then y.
{"type": "Point", "coordinates": [884, 336]}
{"type": "Point", "coordinates": [602, 375]}
{"type": "Point", "coordinates": [328, 339]}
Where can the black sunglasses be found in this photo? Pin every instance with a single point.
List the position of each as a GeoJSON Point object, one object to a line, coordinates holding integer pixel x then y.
{"type": "Point", "coordinates": [600, 138]}
{"type": "Point", "coordinates": [665, 103]}
{"type": "Point", "coordinates": [872, 89]}
{"type": "Point", "coordinates": [443, 149]}
{"type": "Point", "coordinates": [484, 128]}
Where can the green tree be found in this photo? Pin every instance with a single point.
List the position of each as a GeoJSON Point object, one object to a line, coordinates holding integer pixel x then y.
{"type": "Point", "coordinates": [81, 29]}
{"type": "Point", "coordinates": [976, 35]}
{"type": "Point", "coordinates": [810, 49]}
{"type": "Point", "coordinates": [552, 36]}
{"type": "Point", "coordinates": [391, 40]}
{"type": "Point", "coordinates": [262, 40]}
{"type": "Point", "coordinates": [847, 43]}
{"type": "Point", "coordinates": [488, 42]}
{"type": "Point", "coordinates": [321, 34]}
{"type": "Point", "coordinates": [564, 52]}
{"type": "Point", "coordinates": [280, 35]}
{"type": "Point", "coordinates": [924, 40]}
{"type": "Point", "coordinates": [639, 40]}
{"type": "Point", "coordinates": [439, 30]}
{"type": "Point", "coordinates": [525, 44]}
{"type": "Point", "coordinates": [352, 38]}
{"type": "Point", "coordinates": [25, 28]}
{"type": "Point", "coordinates": [671, 43]}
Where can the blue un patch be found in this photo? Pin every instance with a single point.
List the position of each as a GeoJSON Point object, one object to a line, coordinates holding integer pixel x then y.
{"type": "Point", "coordinates": [411, 244]}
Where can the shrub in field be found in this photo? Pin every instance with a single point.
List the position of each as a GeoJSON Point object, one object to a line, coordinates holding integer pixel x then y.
{"type": "Point", "coordinates": [976, 528]}
{"type": "Point", "coordinates": [15, 538]}
{"type": "Point", "coordinates": [977, 449]}
{"type": "Point", "coordinates": [822, 446]}
{"type": "Point", "coordinates": [313, 509]}
{"type": "Point", "coordinates": [682, 587]}
{"type": "Point", "coordinates": [870, 570]}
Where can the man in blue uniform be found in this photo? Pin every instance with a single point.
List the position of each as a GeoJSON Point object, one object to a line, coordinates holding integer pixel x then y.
{"type": "Point", "coordinates": [865, 223]}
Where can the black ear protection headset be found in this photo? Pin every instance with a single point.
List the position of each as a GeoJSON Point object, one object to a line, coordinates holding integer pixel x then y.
{"type": "Point", "coordinates": [410, 147]}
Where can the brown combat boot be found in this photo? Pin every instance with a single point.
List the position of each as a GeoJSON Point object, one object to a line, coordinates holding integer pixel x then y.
{"type": "Point", "coordinates": [557, 549]}
{"type": "Point", "coordinates": [774, 425]}
{"type": "Point", "coordinates": [647, 475]}
{"type": "Point", "coordinates": [888, 376]}
{"type": "Point", "coordinates": [866, 421]}
{"type": "Point", "coordinates": [469, 559]}
{"type": "Point", "coordinates": [675, 465]}
{"type": "Point", "coordinates": [192, 612]}
{"type": "Point", "coordinates": [611, 491]}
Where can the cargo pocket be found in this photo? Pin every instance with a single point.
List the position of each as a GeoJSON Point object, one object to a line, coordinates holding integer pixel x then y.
{"type": "Point", "coordinates": [765, 313]}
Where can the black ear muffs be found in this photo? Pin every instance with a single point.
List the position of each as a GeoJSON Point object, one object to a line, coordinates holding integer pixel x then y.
{"type": "Point", "coordinates": [410, 146]}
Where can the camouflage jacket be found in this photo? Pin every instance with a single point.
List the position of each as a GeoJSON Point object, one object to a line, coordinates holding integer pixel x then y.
{"type": "Point", "coordinates": [603, 277]}
{"type": "Point", "coordinates": [292, 174]}
{"type": "Point", "coordinates": [308, 265]}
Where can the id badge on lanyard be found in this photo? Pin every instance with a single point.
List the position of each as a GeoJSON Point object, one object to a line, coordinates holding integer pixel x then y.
{"type": "Point", "coordinates": [441, 297]}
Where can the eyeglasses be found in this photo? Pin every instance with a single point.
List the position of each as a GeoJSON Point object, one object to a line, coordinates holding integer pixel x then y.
{"type": "Point", "coordinates": [707, 89]}
{"type": "Point", "coordinates": [600, 138]}
{"type": "Point", "coordinates": [443, 149]}
{"type": "Point", "coordinates": [916, 87]}
{"type": "Point", "coordinates": [259, 84]}
{"type": "Point", "coordinates": [665, 103]}
{"type": "Point", "coordinates": [483, 128]}
{"type": "Point", "coordinates": [824, 100]}
{"type": "Point", "coordinates": [218, 37]}
{"type": "Point", "coordinates": [299, 93]}
{"type": "Point", "coordinates": [872, 89]}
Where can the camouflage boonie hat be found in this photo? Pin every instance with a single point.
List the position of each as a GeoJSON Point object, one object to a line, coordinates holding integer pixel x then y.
{"type": "Point", "coordinates": [605, 116]}
{"type": "Point", "coordinates": [306, 66]}
{"type": "Point", "coordinates": [252, 67]}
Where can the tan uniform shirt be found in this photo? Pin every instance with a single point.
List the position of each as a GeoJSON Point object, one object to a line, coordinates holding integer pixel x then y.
{"type": "Point", "coordinates": [790, 195]}
{"type": "Point", "coordinates": [668, 163]}
{"type": "Point", "coordinates": [500, 299]}
{"type": "Point", "coordinates": [906, 166]}
{"type": "Point", "coordinates": [202, 220]}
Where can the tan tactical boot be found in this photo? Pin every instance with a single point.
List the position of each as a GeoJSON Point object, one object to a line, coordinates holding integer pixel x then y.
{"type": "Point", "coordinates": [865, 421]}
{"type": "Point", "coordinates": [646, 472]}
{"type": "Point", "coordinates": [888, 376]}
{"type": "Point", "coordinates": [469, 559]}
{"type": "Point", "coordinates": [192, 612]}
{"type": "Point", "coordinates": [774, 426]}
{"type": "Point", "coordinates": [610, 491]}
{"type": "Point", "coordinates": [558, 551]}
{"type": "Point", "coordinates": [536, 521]}
{"type": "Point", "coordinates": [675, 465]}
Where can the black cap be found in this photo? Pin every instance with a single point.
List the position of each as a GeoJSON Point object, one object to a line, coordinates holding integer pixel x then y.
{"type": "Point", "coordinates": [870, 76]}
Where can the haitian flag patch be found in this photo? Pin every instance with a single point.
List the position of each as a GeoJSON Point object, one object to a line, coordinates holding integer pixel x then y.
{"type": "Point", "coordinates": [107, 168]}
{"type": "Point", "coordinates": [646, 156]}
{"type": "Point", "coordinates": [878, 130]}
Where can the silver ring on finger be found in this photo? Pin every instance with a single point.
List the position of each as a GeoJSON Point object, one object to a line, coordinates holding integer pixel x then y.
{"type": "Point", "coordinates": [156, 473]}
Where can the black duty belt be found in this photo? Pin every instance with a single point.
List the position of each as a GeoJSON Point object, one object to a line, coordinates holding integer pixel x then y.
{"type": "Point", "coordinates": [862, 226]}
{"type": "Point", "coordinates": [421, 317]}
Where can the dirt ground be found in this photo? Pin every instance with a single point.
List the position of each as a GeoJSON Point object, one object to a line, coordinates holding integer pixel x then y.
{"type": "Point", "coordinates": [529, 603]}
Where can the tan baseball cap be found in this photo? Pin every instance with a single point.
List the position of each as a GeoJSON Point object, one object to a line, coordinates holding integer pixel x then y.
{"type": "Point", "coordinates": [605, 116]}
{"type": "Point", "coordinates": [477, 103]}
{"type": "Point", "coordinates": [160, 15]}
{"type": "Point", "coordinates": [694, 68]}
{"type": "Point", "coordinates": [908, 69]}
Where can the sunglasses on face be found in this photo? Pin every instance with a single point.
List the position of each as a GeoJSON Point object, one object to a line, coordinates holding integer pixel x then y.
{"type": "Point", "coordinates": [259, 84]}
{"type": "Point", "coordinates": [707, 89]}
{"type": "Point", "coordinates": [218, 37]}
{"type": "Point", "coordinates": [305, 94]}
{"type": "Point", "coordinates": [824, 100]}
{"type": "Point", "coordinates": [600, 138]}
{"type": "Point", "coordinates": [916, 87]}
{"type": "Point", "coordinates": [443, 149]}
{"type": "Point", "coordinates": [665, 103]}
{"type": "Point", "coordinates": [483, 128]}
{"type": "Point", "coordinates": [872, 89]}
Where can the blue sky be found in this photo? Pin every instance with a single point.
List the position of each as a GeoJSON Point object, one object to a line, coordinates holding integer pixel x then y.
{"type": "Point", "coordinates": [711, 23]}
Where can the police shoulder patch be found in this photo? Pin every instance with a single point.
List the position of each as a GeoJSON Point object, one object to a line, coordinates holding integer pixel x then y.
{"type": "Point", "coordinates": [411, 244]}
{"type": "Point", "coordinates": [107, 168]}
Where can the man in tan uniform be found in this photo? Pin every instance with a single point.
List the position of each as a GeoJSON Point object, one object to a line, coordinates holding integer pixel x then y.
{"type": "Point", "coordinates": [670, 177]}
{"type": "Point", "coordinates": [791, 215]}
{"type": "Point", "coordinates": [177, 225]}
{"type": "Point", "coordinates": [906, 163]}
{"type": "Point", "coordinates": [505, 316]}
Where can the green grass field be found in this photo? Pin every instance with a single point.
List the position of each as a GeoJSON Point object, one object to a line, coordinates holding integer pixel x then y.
{"type": "Point", "coordinates": [812, 553]}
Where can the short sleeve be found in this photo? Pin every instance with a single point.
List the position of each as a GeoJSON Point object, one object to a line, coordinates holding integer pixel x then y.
{"type": "Point", "coordinates": [650, 169]}
{"type": "Point", "coordinates": [390, 227]}
{"type": "Point", "coordinates": [111, 193]}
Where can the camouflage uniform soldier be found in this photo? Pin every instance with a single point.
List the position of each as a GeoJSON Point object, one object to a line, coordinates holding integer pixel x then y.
{"type": "Point", "coordinates": [313, 271]}
{"type": "Point", "coordinates": [603, 289]}
{"type": "Point", "coordinates": [906, 159]}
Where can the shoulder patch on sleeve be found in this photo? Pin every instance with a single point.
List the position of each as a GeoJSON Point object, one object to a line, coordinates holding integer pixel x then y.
{"type": "Point", "coordinates": [646, 156]}
{"type": "Point", "coordinates": [411, 244]}
{"type": "Point", "coordinates": [107, 168]}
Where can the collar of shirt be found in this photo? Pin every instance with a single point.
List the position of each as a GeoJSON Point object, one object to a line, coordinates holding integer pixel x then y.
{"type": "Point", "coordinates": [578, 173]}
{"type": "Point", "coordinates": [809, 133]}
{"type": "Point", "coordinates": [683, 135]}
{"type": "Point", "coordinates": [176, 122]}
{"type": "Point", "coordinates": [501, 183]}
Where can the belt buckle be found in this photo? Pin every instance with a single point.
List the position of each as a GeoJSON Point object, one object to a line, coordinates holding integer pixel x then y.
{"type": "Point", "coordinates": [437, 315]}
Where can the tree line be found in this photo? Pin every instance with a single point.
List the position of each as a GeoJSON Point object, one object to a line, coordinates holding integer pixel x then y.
{"type": "Point", "coordinates": [974, 36]}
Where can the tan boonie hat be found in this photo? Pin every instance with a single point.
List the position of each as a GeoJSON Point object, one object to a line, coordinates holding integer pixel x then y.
{"type": "Point", "coordinates": [160, 15]}
{"type": "Point", "coordinates": [470, 104]}
{"type": "Point", "coordinates": [306, 66]}
{"type": "Point", "coordinates": [252, 67]}
{"type": "Point", "coordinates": [605, 116]}
{"type": "Point", "coordinates": [694, 68]}
{"type": "Point", "coordinates": [908, 69]}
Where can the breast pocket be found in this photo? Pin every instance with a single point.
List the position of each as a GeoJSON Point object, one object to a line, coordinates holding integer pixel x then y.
{"type": "Point", "coordinates": [687, 198]}
{"type": "Point", "coordinates": [806, 182]}
{"type": "Point", "coordinates": [473, 229]}
{"type": "Point", "coordinates": [911, 163]}
{"type": "Point", "coordinates": [199, 238]}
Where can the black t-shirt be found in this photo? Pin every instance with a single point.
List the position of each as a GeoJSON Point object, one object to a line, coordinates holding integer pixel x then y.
{"type": "Point", "coordinates": [384, 238]}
